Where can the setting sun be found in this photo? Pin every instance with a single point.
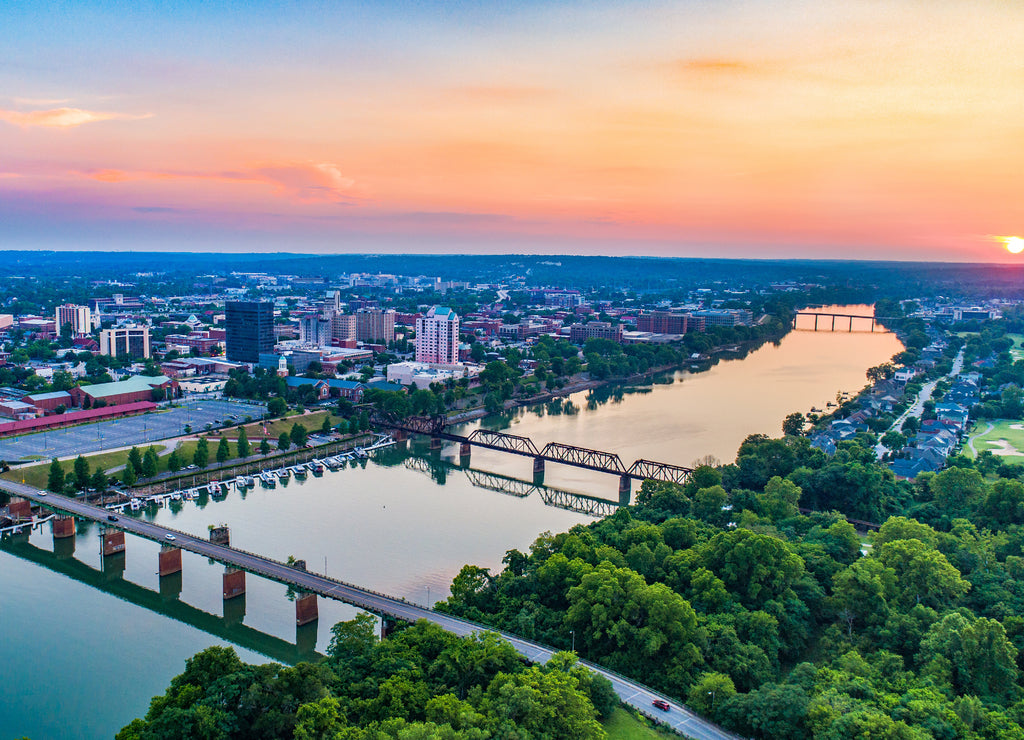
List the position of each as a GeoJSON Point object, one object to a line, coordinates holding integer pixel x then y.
{"type": "Point", "coordinates": [1014, 244]}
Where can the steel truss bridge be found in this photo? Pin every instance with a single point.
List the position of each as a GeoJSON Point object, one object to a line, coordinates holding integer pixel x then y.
{"type": "Point", "coordinates": [580, 457]}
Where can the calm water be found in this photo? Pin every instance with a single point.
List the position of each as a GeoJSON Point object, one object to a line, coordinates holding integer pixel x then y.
{"type": "Point", "coordinates": [84, 650]}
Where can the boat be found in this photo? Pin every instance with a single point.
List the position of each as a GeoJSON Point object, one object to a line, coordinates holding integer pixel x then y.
{"type": "Point", "coordinates": [135, 504]}
{"type": "Point", "coordinates": [361, 453]}
{"type": "Point", "coordinates": [267, 478]}
{"type": "Point", "coordinates": [332, 463]}
{"type": "Point", "coordinates": [240, 484]}
{"type": "Point", "coordinates": [215, 489]}
{"type": "Point", "coordinates": [250, 482]}
{"type": "Point", "coordinates": [317, 467]}
{"type": "Point", "coordinates": [298, 471]}
{"type": "Point", "coordinates": [282, 473]}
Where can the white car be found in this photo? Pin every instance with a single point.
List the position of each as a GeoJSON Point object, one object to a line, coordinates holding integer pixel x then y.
{"type": "Point", "coordinates": [169, 536]}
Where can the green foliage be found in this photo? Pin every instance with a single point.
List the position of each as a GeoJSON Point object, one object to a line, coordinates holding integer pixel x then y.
{"type": "Point", "coordinates": [298, 435]}
{"type": "Point", "coordinates": [135, 460]}
{"type": "Point", "coordinates": [420, 683]}
{"type": "Point", "coordinates": [242, 446]}
{"type": "Point", "coordinates": [174, 463]}
{"type": "Point", "coordinates": [284, 441]}
{"type": "Point", "coordinates": [55, 480]}
{"type": "Point", "coordinates": [223, 450]}
{"type": "Point", "coordinates": [150, 463]}
{"type": "Point", "coordinates": [81, 473]}
{"type": "Point", "coordinates": [201, 457]}
{"type": "Point", "coordinates": [264, 446]}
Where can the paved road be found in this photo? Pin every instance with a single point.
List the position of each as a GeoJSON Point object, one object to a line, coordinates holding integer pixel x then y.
{"type": "Point", "coordinates": [636, 695]}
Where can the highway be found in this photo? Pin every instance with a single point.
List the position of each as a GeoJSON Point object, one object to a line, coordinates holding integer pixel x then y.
{"type": "Point", "coordinates": [634, 694]}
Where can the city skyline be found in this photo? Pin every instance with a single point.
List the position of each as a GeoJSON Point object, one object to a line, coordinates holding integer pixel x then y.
{"type": "Point", "coordinates": [882, 130]}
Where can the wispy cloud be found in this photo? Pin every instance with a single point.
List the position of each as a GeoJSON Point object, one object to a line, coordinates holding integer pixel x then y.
{"type": "Point", "coordinates": [309, 182]}
{"type": "Point", "coordinates": [63, 117]}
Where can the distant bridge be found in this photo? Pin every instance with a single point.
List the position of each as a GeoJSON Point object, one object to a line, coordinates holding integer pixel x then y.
{"type": "Point", "coordinates": [833, 316]}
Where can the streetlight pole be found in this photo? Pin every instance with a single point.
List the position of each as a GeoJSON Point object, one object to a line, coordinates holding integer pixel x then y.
{"type": "Point", "coordinates": [712, 694]}
{"type": "Point", "coordinates": [573, 633]}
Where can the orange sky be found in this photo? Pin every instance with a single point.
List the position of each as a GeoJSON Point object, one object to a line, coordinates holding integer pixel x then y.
{"type": "Point", "coordinates": [875, 129]}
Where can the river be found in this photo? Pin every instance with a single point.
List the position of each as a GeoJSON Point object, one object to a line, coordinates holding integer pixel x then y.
{"type": "Point", "coordinates": [85, 647]}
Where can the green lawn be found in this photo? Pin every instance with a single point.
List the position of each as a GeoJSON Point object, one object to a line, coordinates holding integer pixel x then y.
{"type": "Point", "coordinates": [624, 726]}
{"type": "Point", "coordinates": [1017, 350]}
{"type": "Point", "coordinates": [1001, 436]}
{"type": "Point", "coordinates": [37, 475]}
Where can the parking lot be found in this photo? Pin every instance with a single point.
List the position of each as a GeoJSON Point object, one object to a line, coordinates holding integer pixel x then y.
{"type": "Point", "coordinates": [133, 430]}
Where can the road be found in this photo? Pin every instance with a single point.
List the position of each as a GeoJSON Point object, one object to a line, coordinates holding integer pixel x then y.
{"type": "Point", "coordinates": [636, 695]}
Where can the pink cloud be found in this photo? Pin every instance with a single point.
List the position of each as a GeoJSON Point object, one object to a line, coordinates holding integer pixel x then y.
{"type": "Point", "coordinates": [63, 117]}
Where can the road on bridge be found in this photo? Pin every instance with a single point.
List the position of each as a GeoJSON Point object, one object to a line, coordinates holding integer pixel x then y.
{"type": "Point", "coordinates": [636, 695]}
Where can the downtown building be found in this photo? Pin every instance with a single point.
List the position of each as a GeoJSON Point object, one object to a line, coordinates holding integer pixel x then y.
{"type": "Point", "coordinates": [249, 327]}
{"type": "Point", "coordinates": [126, 341]}
{"type": "Point", "coordinates": [79, 317]}
{"type": "Point", "coordinates": [437, 337]}
{"type": "Point", "coordinates": [375, 325]}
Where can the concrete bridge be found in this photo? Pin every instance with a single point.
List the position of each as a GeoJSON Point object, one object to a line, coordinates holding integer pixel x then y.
{"type": "Point", "coordinates": [847, 318]}
{"type": "Point", "coordinates": [311, 585]}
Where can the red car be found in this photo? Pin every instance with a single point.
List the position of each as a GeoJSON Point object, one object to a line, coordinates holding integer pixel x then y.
{"type": "Point", "coordinates": [661, 704]}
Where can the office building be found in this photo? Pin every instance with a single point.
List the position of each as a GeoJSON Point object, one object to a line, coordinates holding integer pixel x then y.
{"type": "Point", "coordinates": [79, 317]}
{"type": "Point", "coordinates": [437, 337]}
{"type": "Point", "coordinates": [580, 333]}
{"type": "Point", "coordinates": [375, 325]}
{"type": "Point", "coordinates": [662, 322]}
{"type": "Point", "coordinates": [249, 330]}
{"type": "Point", "coordinates": [130, 341]}
{"type": "Point", "coordinates": [315, 330]}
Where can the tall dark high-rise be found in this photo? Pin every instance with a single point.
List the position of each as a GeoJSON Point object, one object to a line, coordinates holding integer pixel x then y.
{"type": "Point", "coordinates": [249, 330]}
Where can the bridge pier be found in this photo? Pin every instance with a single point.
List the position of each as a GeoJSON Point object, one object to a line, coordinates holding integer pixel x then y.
{"type": "Point", "coordinates": [625, 487]}
{"type": "Point", "coordinates": [63, 527]}
{"type": "Point", "coordinates": [20, 508]}
{"type": "Point", "coordinates": [169, 560]}
{"type": "Point", "coordinates": [234, 583]}
{"type": "Point", "coordinates": [387, 626]}
{"type": "Point", "coordinates": [465, 449]}
{"type": "Point", "coordinates": [306, 609]}
{"type": "Point", "coordinates": [220, 536]}
{"type": "Point", "coordinates": [815, 322]}
{"type": "Point", "coordinates": [399, 435]}
{"type": "Point", "coordinates": [435, 444]}
{"type": "Point", "coordinates": [538, 466]}
{"type": "Point", "coordinates": [112, 542]}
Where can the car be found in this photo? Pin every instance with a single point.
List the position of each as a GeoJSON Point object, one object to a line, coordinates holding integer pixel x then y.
{"type": "Point", "coordinates": [111, 518]}
{"type": "Point", "coordinates": [170, 537]}
{"type": "Point", "coordinates": [42, 493]}
{"type": "Point", "coordinates": [193, 466]}
{"type": "Point", "coordinates": [662, 704]}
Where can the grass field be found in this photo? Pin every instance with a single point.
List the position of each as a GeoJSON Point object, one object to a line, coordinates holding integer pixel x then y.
{"type": "Point", "coordinates": [1002, 438]}
{"type": "Point", "coordinates": [1017, 350]}
{"type": "Point", "coordinates": [37, 475]}
{"type": "Point", "coordinates": [624, 726]}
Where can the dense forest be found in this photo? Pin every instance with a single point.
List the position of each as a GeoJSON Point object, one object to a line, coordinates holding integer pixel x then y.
{"type": "Point", "coordinates": [420, 683]}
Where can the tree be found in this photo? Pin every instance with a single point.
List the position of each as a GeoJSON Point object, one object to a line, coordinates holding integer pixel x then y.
{"type": "Point", "coordinates": [276, 406]}
{"type": "Point", "coordinates": [223, 450]}
{"type": "Point", "coordinates": [325, 428]}
{"type": "Point", "coordinates": [201, 457]}
{"type": "Point", "coordinates": [284, 441]}
{"type": "Point", "coordinates": [129, 477]}
{"type": "Point", "coordinates": [974, 653]}
{"type": "Point", "coordinates": [174, 461]}
{"type": "Point", "coordinates": [81, 473]}
{"type": "Point", "coordinates": [135, 460]}
{"type": "Point", "coordinates": [150, 463]}
{"type": "Point", "coordinates": [264, 446]}
{"type": "Point", "coordinates": [710, 692]}
{"type": "Point", "coordinates": [55, 481]}
{"type": "Point", "coordinates": [244, 449]}
{"type": "Point", "coordinates": [298, 435]}
{"type": "Point", "coordinates": [98, 480]}
{"type": "Point", "coordinates": [793, 424]}
{"type": "Point", "coordinates": [893, 440]}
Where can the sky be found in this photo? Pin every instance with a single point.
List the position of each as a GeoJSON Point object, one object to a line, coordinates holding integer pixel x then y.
{"type": "Point", "coordinates": [874, 129]}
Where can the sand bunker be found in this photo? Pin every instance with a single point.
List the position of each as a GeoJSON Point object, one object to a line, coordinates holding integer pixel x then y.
{"type": "Point", "coordinates": [1002, 447]}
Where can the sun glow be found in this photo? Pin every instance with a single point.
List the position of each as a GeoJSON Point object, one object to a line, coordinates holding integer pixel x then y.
{"type": "Point", "coordinates": [1014, 244]}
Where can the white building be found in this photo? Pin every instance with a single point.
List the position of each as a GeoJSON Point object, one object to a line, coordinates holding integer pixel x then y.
{"type": "Point", "coordinates": [422, 374]}
{"type": "Point", "coordinates": [79, 317]}
{"type": "Point", "coordinates": [437, 337]}
{"type": "Point", "coordinates": [132, 341]}
{"type": "Point", "coordinates": [315, 331]}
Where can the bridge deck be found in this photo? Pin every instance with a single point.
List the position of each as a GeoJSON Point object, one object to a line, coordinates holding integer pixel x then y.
{"type": "Point", "coordinates": [636, 695]}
